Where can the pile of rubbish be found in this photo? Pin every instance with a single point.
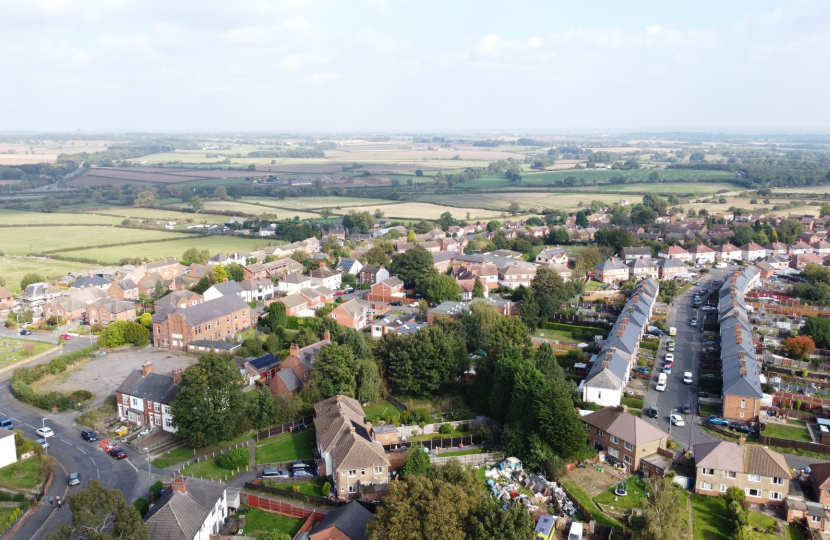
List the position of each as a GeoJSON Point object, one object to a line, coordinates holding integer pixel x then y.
{"type": "Point", "coordinates": [563, 503]}
{"type": "Point", "coordinates": [505, 478]}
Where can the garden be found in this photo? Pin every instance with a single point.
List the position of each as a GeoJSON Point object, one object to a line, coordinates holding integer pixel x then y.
{"type": "Point", "coordinates": [259, 523]}
{"type": "Point", "coordinates": [221, 467]}
{"type": "Point", "coordinates": [290, 448]}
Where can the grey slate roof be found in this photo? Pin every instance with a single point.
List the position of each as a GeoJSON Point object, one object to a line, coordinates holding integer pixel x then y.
{"type": "Point", "coordinates": [741, 371]}
{"type": "Point", "coordinates": [225, 289]}
{"type": "Point", "coordinates": [180, 515]}
{"type": "Point", "coordinates": [212, 309]}
{"type": "Point", "coordinates": [218, 345]}
{"type": "Point", "coordinates": [350, 519]}
{"type": "Point", "coordinates": [90, 281]}
{"type": "Point", "coordinates": [290, 379]}
{"type": "Point", "coordinates": [153, 387]}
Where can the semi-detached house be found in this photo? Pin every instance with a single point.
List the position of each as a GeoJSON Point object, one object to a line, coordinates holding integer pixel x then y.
{"type": "Point", "coordinates": [194, 509]}
{"type": "Point", "coordinates": [144, 398]}
{"type": "Point", "coordinates": [628, 439]}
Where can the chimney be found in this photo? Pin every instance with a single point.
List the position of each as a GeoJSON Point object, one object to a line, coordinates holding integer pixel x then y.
{"type": "Point", "coordinates": [177, 375]}
{"type": "Point", "coordinates": [631, 309]}
{"type": "Point", "coordinates": [625, 320]}
{"type": "Point", "coordinates": [224, 280]}
{"type": "Point", "coordinates": [351, 429]}
{"type": "Point", "coordinates": [734, 303]}
{"type": "Point", "coordinates": [604, 364]}
{"type": "Point", "coordinates": [742, 441]}
{"type": "Point", "coordinates": [179, 484]}
{"type": "Point", "coordinates": [294, 350]}
{"type": "Point", "coordinates": [636, 298]}
{"type": "Point", "coordinates": [619, 333]}
{"type": "Point", "coordinates": [146, 368]}
{"type": "Point", "coordinates": [742, 371]}
{"type": "Point", "coordinates": [338, 398]}
{"type": "Point", "coordinates": [625, 408]}
{"type": "Point", "coordinates": [327, 335]}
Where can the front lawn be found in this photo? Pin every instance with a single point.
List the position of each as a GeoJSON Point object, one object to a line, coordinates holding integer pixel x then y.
{"type": "Point", "coordinates": [181, 454]}
{"type": "Point", "coordinates": [711, 518]}
{"type": "Point", "coordinates": [27, 473]}
{"type": "Point", "coordinates": [207, 468]}
{"type": "Point", "coordinates": [635, 487]}
{"type": "Point", "coordinates": [292, 448]}
{"type": "Point", "coordinates": [709, 410]}
{"type": "Point", "coordinates": [311, 487]}
{"type": "Point", "coordinates": [589, 505]}
{"type": "Point", "coordinates": [632, 403]}
{"type": "Point", "coordinates": [792, 433]}
{"type": "Point", "coordinates": [259, 523]}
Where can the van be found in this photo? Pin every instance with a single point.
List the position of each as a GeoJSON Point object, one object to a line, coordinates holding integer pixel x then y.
{"type": "Point", "coordinates": [576, 531]}
{"type": "Point", "coordinates": [580, 368]}
{"type": "Point", "coordinates": [720, 265]}
{"type": "Point", "coordinates": [545, 528]}
{"type": "Point", "coordinates": [672, 331]}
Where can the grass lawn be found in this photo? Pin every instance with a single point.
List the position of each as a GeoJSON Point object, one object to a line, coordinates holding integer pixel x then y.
{"type": "Point", "coordinates": [793, 433]}
{"type": "Point", "coordinates": [634, 499]}
{"type": "Point", "coordinates": [288, 449]}
{"type": "Point", "coordinates": [5, 513]}
{"type": "Point", "coordinates": [378, 408]}
{"type": "Point", "coordinates": [22, 474]}
{"type": "Point", "coordinates": [795, 532]}
{"type": "Point", "coordinates": [756, 519]}
{"type": "Point", "coordinates": [455, 433]}
{"type": "Point", "coordinates": [711, 517]}
{"type": "Point", "coordinates": [181, 454]}
{"type": "Point", "coordinates": [258, 523]}
{"type": "Point", "coordinates": [14, 268]}
{"type": "Point", "coordinates": [593, 286]}
{"type": "Point", "coordinates": [470, 452]}
{"type": "Point", "coordinates": [631, 402]}
{"type": "Point", "coordinates": [589, 505]}
{"type": "Point", "coordinates": [97, 414]}
{"type": "Point", "coordinates": [708, 410]}
{"type": "Point", "coordinates": [793, 422]}
{"type": "Point", "coordinates": [561, 335]}
{"type": "Point", "coordinates": [312, 487]}
{"type": "Point", "coordinates": [27, 240]}
{"type": "Point", "coordinates": [15, 350]}
{"type": "Point", "coordinates": [207, 468]}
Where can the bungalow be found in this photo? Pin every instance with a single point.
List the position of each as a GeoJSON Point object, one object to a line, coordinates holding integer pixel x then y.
{"type": "Point", "coordinates": [468, 288]}
{"type": "Point", "coordinates": [91, 281]}
{"type": "Point", "coordinates": [753, 252]}
{"type": "Point", "coordinates": [611, 270]}
{"type": "Point", "coordinates": [372, 273]}
{"type": "Point", "coordinates": [349, 522]}
{"type": "Point", "coordinates": [675, 252]}
{"type": "Point", "coordinates": [727, 252]}
{"type": "Point", "coordinates": [350, 266]}
{"type": "Point", "coordinates": [389, 324]}
{"type": "Point", "coordinates": [326, 277]}
{"type": "Point", "coordinates": [350, 314]}
{"type": "Point", "coordinates": [702, 254]}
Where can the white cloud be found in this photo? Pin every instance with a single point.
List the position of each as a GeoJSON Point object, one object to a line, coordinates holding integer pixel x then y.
{"type": "Point", "coordinates": [534, 41]}
{"type": "Point", "coordinates": [324, 77]}
{"type": "Point", "coordinates": [654, 29]}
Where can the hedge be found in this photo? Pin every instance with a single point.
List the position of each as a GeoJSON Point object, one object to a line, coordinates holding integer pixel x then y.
{"type": "Point", "coordinates": [142, 505]}
{"type": "Point", "coordinates": [649, 345]}
{"type": "Point", "coordinates": [586, 333]}
{"type": "Point", "coordinates": [23, 377]}
{"type": "Point", "coordinates": [238, 458]}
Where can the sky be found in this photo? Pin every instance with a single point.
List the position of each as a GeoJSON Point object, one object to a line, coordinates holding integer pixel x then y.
{"type": "Point", "coordinates": [493, 66]}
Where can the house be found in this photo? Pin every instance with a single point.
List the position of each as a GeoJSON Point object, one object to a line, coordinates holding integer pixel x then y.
{"type": "Point", "coordinates": [389, 324]}
{"type": "Point", "coordinates": [124, 290]}
{"type": "Point", "coordinates": [293, 283]}
{"type": "Point", "coordinates": [194, 509]}
{"type": "Point", "coordinates": [299, 363]}
{"type": "Point", "coordinates": [213, 319]}
{"type": "Point", "coordinates": [388, 290]}
{"type": "Point", "coordinates": [727, 252]}
{"type": "Point", "coordinates": [297, 305]}
{"type": "Point", "coordinates": [631, 253]}
{"type": "Point", "coordinates": [280, 268]}
{"type": "Point", "coordinates": [350, 314]}
{"type": "Point", "coordinates": [64, 308]}
{"type": "Point", "coordinates": [777, 248]}
{"type": "Point", "coordinates": [37, 294]}
{"type": "Point", "coordinates": [671, 268]}
{"type": "Point", "coordinates": [266, 366]}
{"type": "Point", "coordinates": [766, 269]}
{"type": "Point", "coordinates": [676, 253]}
{"type": "Point", "coordinates": [372, 273]}
{"type": "Point", "coordinates": [821, 247]}
{"type": "Point", "coordinates": [702, 254]}
{"type": "Point", "coordinates": [108, 310]}
{"type": "Point", "coordinates": [7, 302]}
{"type": "Point", "coordinates": [643, 268]}
{"type": "Point", "coordinates": [347, 448]}
{"type": "Point", "coordinates": [803, 259]}
{"type": "Point", "coordinates": [611, 270]}
{"type": "Point", "coordinates": [629, 439]}
{"type": "Point", "coordinates": [555, 255]}
{"type": "Point", "coordinates": [326, 277]}
{"type": "Point", "coordinates": [144, 398]}
{"type": "Point", "coordinates": [91, 281]}
{"type": "Point", "coordinates": [351, 266]}
{"type": "Point", "coordinates": [514, 275]}
{"type": "Point", "coordinates": [166, 268]}
{"type": "Point", "coordinates": [347, 522]}
{"type": "Point", "coordinates": [180, 299]}
{"type": "Point", "coordinates": [800, 247]}
{"type": "Point", "coordinates": [753, 252]}
{"type": "Point", "coordinates": [226, 288]}
{"type": "Point", "coordinates": [257, 290]}
{"type": "Point", "coordinates": [820, 478]}
{"type": "Point", "coordinates": [8, 450]}
{"type": "Point", "coordinates": [762, 474]}
{"type": "Point", "coordinates": [432, 246]}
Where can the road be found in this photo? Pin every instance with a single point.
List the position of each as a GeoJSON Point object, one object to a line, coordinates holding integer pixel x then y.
{"type": "Point", "coordinates": [687, 358]}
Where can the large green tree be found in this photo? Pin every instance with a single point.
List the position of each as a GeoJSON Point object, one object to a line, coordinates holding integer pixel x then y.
{"type": "Point", "coordinates": [441, 288]}
{"type": "Point", "coordinates": [414, 266]}
{"type": "Point", "coordinates": [335, 371]}
{"type": "Point", "coordinates": [99, 513]}
{"type": "Point", "coordinates": [261, 407]}
{"type": "Point", "coordinates": [506, 332]}
{"type": "Point", "coordinates": [195, 256]}
{"type": "Point", "coordinates": [666, 511]}
{"type": "Point", "coordinates": [368, 381]}
{"type": "Point", "coordinates": [209, 401]}
{"type": "Point", "coordinates": [818, 328]}
{"type": "Point", "coordinates": [235, 271]}
{"type": "Point", "coordinates": [277, 316]}
{"type": "Point", "coordinates": [417, 462]}
{"type": "Point", "coordinates": [29, 279]}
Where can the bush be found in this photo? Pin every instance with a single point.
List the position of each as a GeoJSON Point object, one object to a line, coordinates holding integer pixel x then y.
{"type": "Point", "coordinates": [156, 488]}
{"type": "Point", "coordinates": [81, 395]}
{"type": "Point", "coordinates": [649, 345]}
{"type": "Point", "coordinates": [446, 429]}
{"type": "Point", "coordinates": [142, 505]}
{"type": "Point", "coordinates": [326, 489]}
{"type": "Point", "coordinates": [238, 458]}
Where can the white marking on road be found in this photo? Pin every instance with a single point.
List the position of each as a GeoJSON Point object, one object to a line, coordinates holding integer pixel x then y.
{"type": "Point", "coordinates": [67, 442]}
{"type": "Point", "coordinates": [99, 473]}
{"type": "Point", "coordinates": [93, 461]}
{"type": "Point", "coordinates": [15, 419]}
{"type": "Point", "coordinates": [81, 449]}
{"type": "Point", "coordinates": [132, 464]}
{"type": "Point", "coordinates": [33, 427]}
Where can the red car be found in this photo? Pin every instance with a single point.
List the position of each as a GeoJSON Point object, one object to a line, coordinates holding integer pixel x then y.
{"type": "Point", "coordinates": [118, 453]}
{"type": "Point", "coordinates": [67, 337]}
{"type": "Point", "coordinates": [338, 293]}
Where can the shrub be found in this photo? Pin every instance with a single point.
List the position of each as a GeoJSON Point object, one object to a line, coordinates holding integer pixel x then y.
{"type": "Point", "coordinates": [142, 505]}
{"type": "Point", "coordinates": [326, 489]}
{"type": "Point", "coordinates": [233, 459]}
{"type": "Point", "coordinates": [156, 488]}
{"type": "Point", "coordinates": [57, 365]}
{"type": "Point", "coordinates": [295, 489]}
{"type": "Point", "coordinates": [446, 429]}
{"type": "Point", "coordinates": [81, 395]}
{"type": "Point", "coordinates": [649, 345]}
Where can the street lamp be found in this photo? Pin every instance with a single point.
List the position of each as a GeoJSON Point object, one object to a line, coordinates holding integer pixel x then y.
{"type": "Point", "coordinates": [149, 474]}
{"type": "Point", "coordinates": [670, 414]}
{"type": "Point", "coordinates": [44, 422]}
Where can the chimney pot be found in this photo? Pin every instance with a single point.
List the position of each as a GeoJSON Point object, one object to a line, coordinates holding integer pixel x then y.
{"type": "Point", "coordinates": [293, 349]}
{"type": "Point", "coordinates": [180, 484]}
{"type": "Point", "coordinates": [605, 363]}
{"type": "Point", "coordinates": [146, 368]}
{"type": "Point", "coordinates": [743, 371]}
{"type": "Point", "coordinates": [619, 333]}
{"type": "Point", "coordinates": [339, 398]}
{"type": "Point", "coordinates": [177, 375]}
{"type": "Point", "coordinates": [327, 335]}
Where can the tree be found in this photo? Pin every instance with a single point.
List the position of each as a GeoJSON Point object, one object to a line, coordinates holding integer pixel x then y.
{"type": "Point", "coordinates": [656, 203]}
{"type": "Point", "coordinates": [122, 332]}
{"type": "Point", "coordinates": [235, 272]}
{"type": "Point", "coordinates": [205, 283]}
{"type": "Point", "coordinates": [414, 266]}
{"type": "Point", "coordinates": [417, 462]}
{"type": "Point", "coordinates": [377, 256]}
{"type": "Point", "coordinates": [440, 288]}
{"type": "Point", "coordinates": [581, 219]}
{"type": "Point", "coordinates": [788, 231]}
{"type": "Point", "coordinates": [146, 320]}
{"type": "Point", "coordinates": [513, 208]}
{"type": "Point", "coordinates": [419, 173]}
{"type": "Point", "coordinates": [818, 328]}
{"type": "Point", "coordinates": [209, 400]}
{"type": "Point", "coordinates": [261, 407]}
{"type": "Point", "coordinates": [277, 316]}
{"type": "Point", "coordinates": [529, 312]}
{"type": "Point", "coordinates": [617, 238]}
{"type": "Point", "coordinates": [558, 236]}
{"type": "Point", "coordinates": [99, 513]}
{"type": "Point", "coordinates": [742, 236]}
{"type": "Point", "coordinates": [478, 289]}
{"type": "Point", "coordinates": [29, 279]}
{"type": "Point", "coordinates": [548, 283]}
{"type": "Point", "coordinates": [195, 256]}
{"type": "Point", "coordinates": [493, 226]}
{"type": "Point", "coordinates": [799, 347]}
{"type": "Point", "coordinates": [665, 511]}
{"type": "Point", "coordinates": [219, 273]}
{"type": "Point", "coordinates": [506, 332]}
{"type": "Point", "coordinates": [335, 371]}
{"type": "Point", "coordinates": [145, 198]}
{"type": "Point", "coordinates": [368, 381]}
{"type": "Point", "coordinates": [490, 521]}
{"type": "Point", "coordinates": [825, 209]}
{"type": "Point", "coordinates": [158, 290]}
{"type": "Point", "coordinates": [50, 205]}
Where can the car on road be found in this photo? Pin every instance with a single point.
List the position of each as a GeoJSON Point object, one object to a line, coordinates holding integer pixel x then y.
{"type": "Point", "coordinates": [653, 412]}
{"type": "Point", "coordinates": [338, 293]}
{"type": "Point", "coordinates": [25, 332]}
{"type": "Point", "coordinates": [348, 290]}
{"type": "Point", "coordinates": [74, 479]}
{"type": "Point", "coordinates": [693, 322]}
{"type": "Point", "coordinates": [687, 377]}
{"type": "Point", "coordinates": [677, 420]}
{"type": "Point", "coordinates": [642, 369]}
{"type": "Point", "coordinates": [302, 472]}
{"type": "Point", "coordinates": [720, 265]}
{"type": "Point", "coordinates": [672, 331]}
{"type": "Point", "coordinates": [66, 337]}
{"type": "Point", "coordinates": [7, 423]}
{"type": "Point", "coordinates": [669, 357]}
{"type": "Point", "coordinates": [43, 443]}
{"type": "Point", "coordinates": [715, 283]}
{"type": "Point", "coordinates": [89, 435]}
{"type": "Point", "coordinates": [396, 303]}
{"type": "Point", "coordinates": [687, 408]}
{"type": "Point", "coordinates": [670, 345]}
{"type": "Point", "coordinates": [698, 284]}
{"type": "Point", "coordinates": [667, 369]}
{"type": "Point", "coordinates": [45, 432]}
{"type": "Point", "coordinates": [709, 308]}
{"type": "Point", "coordinates": [118, 453]}
{"type": "Point", "coordinates": [661, 386]}
{"type": "Point", "coordinates": [718, 421]}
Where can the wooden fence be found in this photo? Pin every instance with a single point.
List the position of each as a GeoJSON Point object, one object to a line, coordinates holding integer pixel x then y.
{"type": "Point", "coordinates": [311, 499]}
{"type": "Point", "coordinates": [289, 427]}
{"type": "Point", "coordinates": [469, 459]}
{"type": "Point", "coordinates": [196, 459]}
{"type": "Point", "coordinates": [787, 443]}
{"type": "Point", "coordinates": [396, 402]}
{"type": "Point", "coordinates": [452, 442]}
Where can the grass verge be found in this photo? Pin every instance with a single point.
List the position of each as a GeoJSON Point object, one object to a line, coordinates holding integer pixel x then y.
{"type": "Point", "coordinates": [27, 473]}
{"type": "Point", "coordinates": [178, 455]}
{"type": "Point", "coordinates": [297, 446]}
{"type": "Point", "coordinates": [207, 468]}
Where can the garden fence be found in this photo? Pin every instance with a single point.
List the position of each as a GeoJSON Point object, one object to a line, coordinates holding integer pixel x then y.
{"type": "Point", "coordinates": [310, 499]}
{"type": "Point", "coordinates": [787, 443]}
{"type": "Point", "coordinates": [469, 459]}
{"type": "Point", "coordinates": [452, 442]}
{"type": "Point", "coordinates": [289, 427]}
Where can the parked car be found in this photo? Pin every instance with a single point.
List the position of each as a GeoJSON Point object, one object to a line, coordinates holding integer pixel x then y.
{"type": "Point", "coordinates": [708, 375]}
{"type": "Point", "coordinates": [715, 283]}
{"type": "Point", "coordinates": [710, 343]}
{"type": "Point", "coordinates": [25, 332]}
{"type": "Point", "coordinates": [669, 357]}
{"type": "Point", "coordinates": [653, 412]}
{"type": "Point", "coordinates": [642, 369]}
{"type": "Point", "coordinates": [677, 420]}
{"type": "Point", "coordinates": [661, 387]}
{"type": "Point", "coordinates": [396, 303]}
{"type": "Point", "coordinates": [693, 322]}
{"type": "Point", "coordinates": [697, 284]}
{"type": "Point", "coordinates": [687, 377]}
{"type": "Point", "coordinates": [74, 479]}
{"type": "Point", "coordinates": [709, 308]}
{"type": "Point", "coordinates": [275, 473]}
{"type": "Point", "coordinates": [718, 421]}
{"type": "Point", "coordinates": [741, 428]}
{"type": "Point", "coordinates": [667, 369]}
{"type": "Point", "coordinates": [43, 443]}
{"type": "Point", "coordinates": [7, 423]}
{"type": "Point", "coordinates": [118, 453]}
{"type": "Point", "coordinates": [348, 290]}
{"type": "Point", "coordinates": [703, 394]}
{"type": "Point", "coordinates": [301, 472]}
{"type": "Point", "coordinates": [45, 432]}
{"type": "Point", "coordinates": [89, 435]}
{"type": "Point", "coordinates": [294, 465]}
{"type": "Point", "coordinates": [338, 293]}
{"type": "Point", "coordinates": [654, 330]}
{"type": "Point", "coordinates": [687, 408]}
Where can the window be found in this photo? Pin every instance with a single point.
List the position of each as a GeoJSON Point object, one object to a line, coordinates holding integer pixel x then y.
{"type": "Point", "coordinates": [730, 474]}
{"type": "Point", "coordinates": [752, 492]}
{"type": "Point", "coordinates": [614, 439]}
{"type": "Point", "coordinates": [629, 446]}
{"type": "Point", "coordinates": [708, 472]}
{"type": "Point", "coordinates": [743, 404]}
{"type": "Point", "coordinates": [613, 452]}
{"type": "Point", "coordinates": [723, 488]}
{"type": "Point", "coordinates": [168, 422]}
{"type": "Point", "coordinates": [777, 481]}
{"type": "Point", "coordinates": [158, 330]}
{"type": "Point", "coordinates": [379, 470]}
{"type": "Point", "coordinates": [775, 496]}
{"type": "Point", "coordinates": [628, 459]}
{"type": "Point", "coordinates": [158, 419]}
{"type": "Point", "coordinates": [741, 415]}
{"type": "Point", "coordinates": [587, 427]}
{"type": "Point", "coordinates": [353, 488]}
{"type": "Point", "coordinates": [599, 432]}
{"type": "Point", "coordinates": [706, 486]}
{"type": "Point", "coordinates": [754, 477]}
{"type": "Point", "coordinates": [342, 489]}
{"type": "Point", "coordinates": [352, 472]}
{"type": "Point", "coordinates": [815, 519]}
{"type": "Point", "coordinates": [362, 472]}
{"type": "Point", "coordinates": [167, 409]}
{"type": "Point", "coordinates": [157, 407]}
{"type": "Point", "coordinates": [126, 399]}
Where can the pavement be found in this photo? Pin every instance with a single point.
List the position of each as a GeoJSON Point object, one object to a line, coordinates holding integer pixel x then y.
{"type": "Point", "coordinates": [687, 358]}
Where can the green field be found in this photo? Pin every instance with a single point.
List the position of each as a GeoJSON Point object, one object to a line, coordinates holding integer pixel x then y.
{"type": "Point", "coordinates": [312, 203]}
{"type": "Point", "coordinates": [27, 473]}
{"type": "Point", "coordinates": [175, 248]}
{"type": "Point", "coordinates": [691, 188]}
{"type": "Point", "coordinates": [297, 446]}
{"type": "Point", "coordinates": [416, 210]}
{"type": "Point", "coordinates": [792, 433]}
{"type": "Point", "coordinates": [27, 240]}
{"type": "Point", "coordinates": [548, 177]}
{"type": "Point", "coordinates": [154, 214]}
{"type": "Point", "coordinates": [254, 209]}
{"type": "Point", "coordinates": [14, 268]}
{"type": "Point", "coordinates": [12, 350]}
{"type": "Point", "coordinates": [28, 218]}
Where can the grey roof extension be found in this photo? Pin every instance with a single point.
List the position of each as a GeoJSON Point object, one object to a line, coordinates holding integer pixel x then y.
{"type": "Point", "coordinates": [350, 520]}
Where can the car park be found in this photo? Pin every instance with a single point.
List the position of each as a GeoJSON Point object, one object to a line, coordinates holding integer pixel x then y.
{"type": "Point", "coordinates": [89, 435]}
{"type": "Point", "coordinates": [687, 377]}
{"type": "Point", "coordinates": [653, 412]}
{"type": "Point", "coordinates": [45, 432]}
{"type": "Point", "coordinates": [74, 479]}
{"type": "Point", "coordinates": [718, 421]}
{"type": "Point", "coordinates": [7, 423]}
{"type": "Point", "coordinates": [43, 443]}
{"type": "Point", "coordinates": [677, 420]}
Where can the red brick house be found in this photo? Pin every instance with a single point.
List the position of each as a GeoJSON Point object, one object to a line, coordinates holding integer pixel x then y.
{"type": "Point", "coordinates": [372, 273]}
{"type": "Point", "coordinates": [174, 328]}
{"type": "Point", "coordinates": [294, 369]}
{"type": "Point", "coordinates": [350, 314]}
{"type": "Point", "coordinates": [166, 268]}
{"type": "Point", "coordinates": [144, 398]}
{"type": "Point", "coordinates": [388, 290]}
{"type": "Point", "coordinates": [109, 310]}
{"type": "Point", "coordinates": [124, 290]}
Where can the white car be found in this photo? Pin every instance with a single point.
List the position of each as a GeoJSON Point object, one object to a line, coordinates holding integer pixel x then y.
{"type": "Point", "coordinates": [45, 432]}
{"type": "Point", "coordinates": [677, 420]}
{"type": "Point", "coordinates": [669, 357]}
{"type": "Point", "coordinates": [687, 377]}
{"type": "Point", "coordinates": [661, 387]}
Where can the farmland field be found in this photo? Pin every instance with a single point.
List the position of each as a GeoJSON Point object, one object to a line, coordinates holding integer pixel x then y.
{"type": "Point", "coordinates": [309, 203]}
{"type": "Point", "coordinates": [14, 268]}
{"type": "Point", "coordinates": [253, 209]}
{"type": "Point", "coordinates": [152, 214]}
{"type": "Point", "coordinates": [175, 248]}
{"type": "Point", "coordinates": [696, 188]}
{"type": "Point", "coordinates": [417, 210]}
{"type": "Point", "coordinates": [547, 178]}
{"type": "Point", "coordinates": [42, 239]}
{"type": "Point", "coordinates": [47, 151]}
{"type": "Point", "coordinates": [16, 217]}
{"type": "Point", "coordinates": [531, 200]}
